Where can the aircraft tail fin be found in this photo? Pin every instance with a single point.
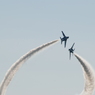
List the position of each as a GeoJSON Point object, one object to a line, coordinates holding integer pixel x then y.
{"type": "Point", "coordinates": [69, 56]}
{"type": "Point", "coordinates": [61, 40]}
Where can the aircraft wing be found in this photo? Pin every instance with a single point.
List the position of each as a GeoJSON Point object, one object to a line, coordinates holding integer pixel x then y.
{"type": "Point", "coordinates": [63, 33]}
{"type": "Point", "coordinates": [73, 45]}
{"type": "Point", "coordinates": [65, 43]}
{"type": "Point", "coordinates": [61, 41]}
{"type": "Point", "coordinates": [69, 55]}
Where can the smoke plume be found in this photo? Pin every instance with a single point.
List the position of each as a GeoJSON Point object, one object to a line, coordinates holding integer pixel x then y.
{"type": "Point", "coordinates": [14, 68]}
{"type": "Point", "coordinates": [89, 76]}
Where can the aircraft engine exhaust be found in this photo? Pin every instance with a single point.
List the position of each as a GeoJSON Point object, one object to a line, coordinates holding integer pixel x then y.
{"type": "Point", "coordinates": [89, 76]}
{"type": "Point", "coordinates": [14, 68]}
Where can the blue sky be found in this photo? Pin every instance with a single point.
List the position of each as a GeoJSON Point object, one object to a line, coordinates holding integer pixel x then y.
{"type": "Point", "coordinates": [26, 24]}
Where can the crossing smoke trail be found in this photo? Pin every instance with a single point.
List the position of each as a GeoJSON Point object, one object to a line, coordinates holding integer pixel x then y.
{"type": "Point", "coordinates": [89, 76]}
{"type": "Point", "coordinates": [13, 69]}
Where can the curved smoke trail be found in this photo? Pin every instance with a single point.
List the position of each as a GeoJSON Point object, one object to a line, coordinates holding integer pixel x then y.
{"type": "Point", "coordinates": [13, 69]}
{"type": "Point", "coordinates": [89, 76]}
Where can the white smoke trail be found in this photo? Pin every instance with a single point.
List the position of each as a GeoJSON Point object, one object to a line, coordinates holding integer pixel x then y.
{"type": "Point", "coordinates": [13, 69]}
{"type": "Point", "coordinates": [89, 76]}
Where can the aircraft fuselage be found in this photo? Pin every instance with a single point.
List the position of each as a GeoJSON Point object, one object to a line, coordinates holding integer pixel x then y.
{"type": "Point", "coordinates": [71, 50]}
{"type": "Point", "coordinates": [64, 39]}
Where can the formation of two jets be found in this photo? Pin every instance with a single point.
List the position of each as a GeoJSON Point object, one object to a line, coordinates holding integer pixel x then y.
{"type": "Point", "coordinates": [71, 50]}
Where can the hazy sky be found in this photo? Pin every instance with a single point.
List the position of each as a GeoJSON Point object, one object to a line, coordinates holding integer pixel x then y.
{"type": "Point", "coordinates": [26, 24]}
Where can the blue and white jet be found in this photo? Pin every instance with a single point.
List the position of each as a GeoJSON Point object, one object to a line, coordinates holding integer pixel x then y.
{"type": "Point", "coordinates": [64, 39]}
{"type": "Point", "coordinates": [71, 50]}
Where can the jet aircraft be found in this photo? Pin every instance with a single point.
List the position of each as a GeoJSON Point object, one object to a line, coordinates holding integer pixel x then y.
{"type": "Point", "coordinates": [71, 50]}
{"type": "Point", "coordinates": [64, 39]}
